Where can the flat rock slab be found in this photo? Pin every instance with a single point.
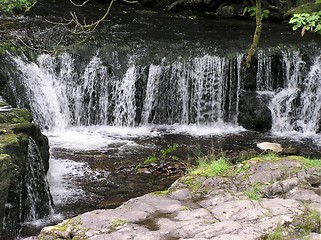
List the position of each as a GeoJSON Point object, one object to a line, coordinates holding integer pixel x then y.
{"type": "Point", "coordinates": [220, 212]}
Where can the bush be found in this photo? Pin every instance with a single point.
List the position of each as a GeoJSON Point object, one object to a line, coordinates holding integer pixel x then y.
{"type": "Point", "coordinates": [307, 21]}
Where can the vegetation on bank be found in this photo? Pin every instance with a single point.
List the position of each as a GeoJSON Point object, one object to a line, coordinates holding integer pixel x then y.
{"type": "Point", "coordinates": [16, 6]}
{"type": "Point", "coordinates": [304, 14]}
{"type": "Point", "coordinates": [211, 166]}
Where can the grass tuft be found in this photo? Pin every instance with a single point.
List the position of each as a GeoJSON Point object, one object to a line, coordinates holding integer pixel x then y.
{"type": "Point", "coordinates": [210, 167]}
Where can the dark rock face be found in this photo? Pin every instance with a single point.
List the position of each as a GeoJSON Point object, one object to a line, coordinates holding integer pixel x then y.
{"type": "Point", "coordinates": [19, 140]}
{"type": "Point", "coordinates": [254, 113]}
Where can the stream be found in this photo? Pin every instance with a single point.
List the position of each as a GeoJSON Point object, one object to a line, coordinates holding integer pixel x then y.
{"type": "Point", "coordinates": [147, 80]}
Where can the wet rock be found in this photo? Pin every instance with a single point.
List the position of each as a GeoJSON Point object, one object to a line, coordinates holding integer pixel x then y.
{"type": "Point", "coordinates": [181, 194]}
{"type": "Point", "coordinates": [254, 113]}
{"type": "Point", "coordinates": [229, 10]}
{"type": "Point", "coordinates": [16, 133]}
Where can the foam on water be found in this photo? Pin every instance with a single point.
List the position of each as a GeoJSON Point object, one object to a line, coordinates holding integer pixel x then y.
{"type": "Point", "coordinates": [218, 129]}
{"type": "Point", "coordinates": [60, 176]}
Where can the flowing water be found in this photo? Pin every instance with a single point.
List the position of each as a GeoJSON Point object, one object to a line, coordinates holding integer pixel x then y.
{"type": "Point", "coordinates": [107, 109]}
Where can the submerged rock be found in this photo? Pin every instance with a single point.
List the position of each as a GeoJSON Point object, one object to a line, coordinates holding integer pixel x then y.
{"type": "Point", "coordinates": [248, 202]}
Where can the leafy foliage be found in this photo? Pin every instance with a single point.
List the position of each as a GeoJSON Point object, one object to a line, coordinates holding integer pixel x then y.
{"type": "Point", "coordinates": [166, 153]}
{"type": "Point", "coordinates": [9, 6]}
{"type": "Point", "coordinates": [307, 21]}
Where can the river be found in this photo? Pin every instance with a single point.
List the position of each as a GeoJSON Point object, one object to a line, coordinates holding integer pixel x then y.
{"type": "Point", "coordinates": [147, 80]}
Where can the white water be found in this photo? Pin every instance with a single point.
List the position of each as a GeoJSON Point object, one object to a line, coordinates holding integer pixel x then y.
{"type": "Point", "coordinates": [296, 109]}
{"type": "Point", "coordinates": [204, 91]}
{"type": "Point", "coordinates": [94, 110]}
{"type": "Point", "coordinates": [38, 196]}
{"type": "Point", "coordinates": [185, 93]}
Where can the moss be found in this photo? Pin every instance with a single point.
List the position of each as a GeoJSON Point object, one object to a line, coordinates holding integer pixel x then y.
{"type": "Point", "coordinates": [8, 139]}
{"type": "Point", "coordinates": [68, 229]}
{"type": "Point", "coordinates": [19, 127]}
{"type": "Point", "coordinates": [301, 227]}
{"type": "Point", "coordinates": [161, 193]}
{"type": "Point", "coordinates": [23, 114]}
{"type": "Point", "coordinates": [3, 104]}
{"type": "Point", "coordinates": [16, 116]}
{"type": "Point", "coordinates": [309, 222]}
{"type": "Point", "coordinates": [270, 156]}
{"type": "Point", "coordinates": [193, 183]}
{"type": "Point", "coordinates": [4, 118]}
{"type": "Point", "coordinates": [116, 224]}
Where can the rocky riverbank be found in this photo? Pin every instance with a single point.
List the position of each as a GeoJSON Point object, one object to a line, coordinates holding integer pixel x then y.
{"type": "Point", "coordinates": [267, 197]}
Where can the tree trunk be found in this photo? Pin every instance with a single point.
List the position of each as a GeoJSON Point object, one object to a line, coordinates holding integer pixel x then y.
{"type": "Point", "coordinates": [257, 33]}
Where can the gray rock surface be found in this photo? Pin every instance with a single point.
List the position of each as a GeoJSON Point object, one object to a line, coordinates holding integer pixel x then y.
{"type": "Point", "coordinates": [221, 208]}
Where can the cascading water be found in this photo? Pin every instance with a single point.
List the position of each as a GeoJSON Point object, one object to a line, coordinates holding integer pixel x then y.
{"type": "Point", "coordinates": [296, 108]}
{"type": "Point", "coordinates": [34, 209]}
{"type": "Point", "coordinates": [38, 197]}
{"type": "Point", "coordinates": [200, 91]}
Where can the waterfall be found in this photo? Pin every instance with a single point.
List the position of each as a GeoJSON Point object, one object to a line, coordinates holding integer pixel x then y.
{"type": "Point", "coordinates": [296, 108]}
{"type": "Point", "coordinates": [38, 199]}
{"type": "Point", "coordinates": [202, 90]}
{"type": "Point", "coordinates": [125, 106]}
{"type": "Point", "coordinates": [46, 90]}
{"type": "Point", "coordinates": [264, 72]}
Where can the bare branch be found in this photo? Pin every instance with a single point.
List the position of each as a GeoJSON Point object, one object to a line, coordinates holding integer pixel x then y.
{"type": "Point", "coordinates": [83, 27]}
{"type": "Point", "coordinates": [79, 5]}
{"type": "Point", "coordinates": [130, 2]}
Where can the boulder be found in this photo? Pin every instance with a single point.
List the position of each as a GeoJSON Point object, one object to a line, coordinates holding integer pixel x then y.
{"type": "Point", "coordinates": [254, 113]}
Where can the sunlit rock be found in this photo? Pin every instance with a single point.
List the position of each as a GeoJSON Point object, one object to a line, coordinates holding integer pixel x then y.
{"type": "Point", "coordinates": [275, 147]}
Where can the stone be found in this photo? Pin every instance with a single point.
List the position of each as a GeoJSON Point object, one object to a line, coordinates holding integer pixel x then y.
{"type": "Point", "coordinates": [181, 195]}
{"type": "Point", "coordinates": [275, 147]}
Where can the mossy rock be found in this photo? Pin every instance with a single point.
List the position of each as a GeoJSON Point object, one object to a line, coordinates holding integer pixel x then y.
{"type": "Point", "coordinates": [16, 116]}
{"type": "Point", "coordinates": [5, 160]}
{"type": "Point", "coordinates": [304, 8]}
{"type": "Point", "coordinates": [8, 139]}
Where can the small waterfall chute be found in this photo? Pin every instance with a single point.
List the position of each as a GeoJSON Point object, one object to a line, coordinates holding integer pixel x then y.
{"type": "Point", "coordinates": [296, 108]}
{"type": "Point", "coordinates": [38, 199]}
